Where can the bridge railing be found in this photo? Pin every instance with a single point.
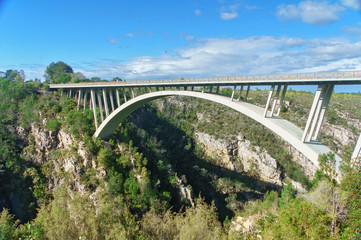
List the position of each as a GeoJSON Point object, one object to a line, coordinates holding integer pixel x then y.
{"type": "Point", "coordinates": [248, 78]}
{"type": "Point", "coordinates": [265, 77]}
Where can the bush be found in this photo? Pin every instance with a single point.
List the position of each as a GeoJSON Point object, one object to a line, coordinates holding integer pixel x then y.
{"type": "Point", "coordinates": [53, 125]}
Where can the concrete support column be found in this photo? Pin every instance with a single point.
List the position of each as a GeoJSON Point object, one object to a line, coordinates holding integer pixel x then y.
{"type": "Point", "coordinates": [61, 93]}
{"type": "Point", "coordinates": [85, 99]}
{"type": "Point", "coordinates": [204, 87]}
{"type": "Point", "coordinates": [234, 90]}
{"type": "Point", "coordinates": [92, 95]}
{"type": "Point", "coordinates": [100, 105]}
{"type": "Point", "coordinates": [80, 93]}
{"type": "Point", "coordinates": [217, 90]}
{"type": "Point", "coordinates": [326, 101]}
{"type": "Point", "coordinates": [240, 93]}
{"type": "Point", "coordinates": [106, 106]}
{"type": "Point", "coordinates": [125, 94]}
{"type": "Point", "coordinates": [111, 100]}
{"type": "Point", "coordinates": [150, 89]}
{"type": "Point", "coordinates": [117, 96]}
{"type": "Point", "coordinates": [192, 88]}
{"type": "Point", "coordinates": [357, 150]}
{"type": "Point", "coordinates": [312, 111]}
{"type": "Point", "coordinates": [157, 88]}
{"type": "Point", "coordinates": [163, 88]}
{"type": "Point", "coordinates": [210, 88]}
{"type": "Point", "coordinates": [185, 88]}
{"type": "Point", "coordinates": [321, 103]}
{"type": "Point", "coordinates": [268, 100]}
{"type": "Point", "coordinates": [282, 99]}
{"type": "Point", "coordinates": [245, 98]}
{"type": "Point", "coordinates": [275, 100]}
{"type": "Point", "coordinates": [132, 91]}
{"type": "Point", "coordinates": [70, 93]}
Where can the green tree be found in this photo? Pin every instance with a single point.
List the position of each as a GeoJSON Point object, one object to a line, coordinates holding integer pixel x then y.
{"type": "Point", "coordinates": [58, 70]}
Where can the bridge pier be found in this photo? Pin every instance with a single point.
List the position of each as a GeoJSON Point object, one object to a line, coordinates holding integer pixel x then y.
{"type": "Point", "coordinates": [282, 99]}
{"type": "Point", "coordinates": [204, 87]}
{"type": "Point", "coordinates": [245, 98]}
{"type": "Point", "coordinates": [324, 106]}
{"type": "Point", "coordinates": [117, 97]}
{"type": "Point", "coordinates": [210, 89]}
{"type": "Point", "coordinates": [275, 100]}
{"type": "Point", "coordinates": [240, 93]}
{"type": "Point", "coordinates": [111, 99]}
{"type": "Point", "coordinates": [357, 150]}
{"type": "Point", "coordinates": [217, 90]}
{"type": "Point", "coordinates": [85, 99]}
{"type": "Point", "coordinates": [106, 106]}
{"type": "Point", "coordinates": [92, 93]}
{"type": "Point", "coordinates": [124, 94]}
{"type": "Point", "coordinates": [132, 91]}
{"type": "Point", "coordinates": [234, 90]}
{"type": "Point", "coordinates": [100, 104]}
{"type": "Point", "coordinates": [79, 98]}
{"type": "Point", "coordinates": [317, 113]}
{"type": "Point", "coordinates": [268, 100]}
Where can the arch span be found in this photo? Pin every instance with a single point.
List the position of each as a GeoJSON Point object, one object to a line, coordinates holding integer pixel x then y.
{"type": "Point", "coordinates": [283, 128]}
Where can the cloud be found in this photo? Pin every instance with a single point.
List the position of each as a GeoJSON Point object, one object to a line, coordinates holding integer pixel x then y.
{"type": "Point", "coordinates": [186, 37]}
{"type": "Point", "coordinates": [113, 41]}
{"type": "Point", "coordinates": [230, 12]}
{"type": "Point", "coordinates": [312, 12]}
{"type": "Point", "coordinates": [354, 29]}
{"type": "Point", "coordinates": [354, 4]}
{"type": "Point", "coordinates": [228, 16]}
{"type": "Point", "coordinates": [227, 56]}
{"type": "Point", "coordinates": [198, 12]}
{"type": "Point", "coordinates": [129, 34]}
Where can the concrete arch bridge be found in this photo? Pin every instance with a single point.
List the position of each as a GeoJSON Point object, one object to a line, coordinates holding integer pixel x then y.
{"type": "Point", "coordinates": [116, 100]}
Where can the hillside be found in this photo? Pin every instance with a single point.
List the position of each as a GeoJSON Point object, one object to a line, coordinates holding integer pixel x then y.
{"type": "Point", "coordinates": [173, 170]}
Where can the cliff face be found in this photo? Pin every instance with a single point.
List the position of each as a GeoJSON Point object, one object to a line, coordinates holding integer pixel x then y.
{"type": "Point", "coordinates": [239, 155]}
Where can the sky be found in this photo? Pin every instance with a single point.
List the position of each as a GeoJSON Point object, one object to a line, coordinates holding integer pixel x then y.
{"type": "Point", "coordinates": [142, 39]}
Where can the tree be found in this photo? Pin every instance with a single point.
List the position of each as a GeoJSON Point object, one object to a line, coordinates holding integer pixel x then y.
{"type": "Point", "coordinates": [56, 70]}
{"type": "Point", "coordinates": [117, 79]}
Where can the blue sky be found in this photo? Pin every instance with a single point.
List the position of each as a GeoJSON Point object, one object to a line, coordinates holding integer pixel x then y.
{"type": "Point", "coordinates": [142, 39]}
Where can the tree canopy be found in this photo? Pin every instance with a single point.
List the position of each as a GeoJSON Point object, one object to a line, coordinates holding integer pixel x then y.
{"type": "Point", "coordinates": [58, 72]}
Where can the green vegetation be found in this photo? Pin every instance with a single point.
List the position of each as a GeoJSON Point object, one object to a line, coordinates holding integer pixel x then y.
{"type": "Point", "coordinates": [58, 182]}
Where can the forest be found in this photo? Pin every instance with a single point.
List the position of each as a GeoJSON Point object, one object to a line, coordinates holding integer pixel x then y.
{"type": "Point", "coordinates": [152, 180]}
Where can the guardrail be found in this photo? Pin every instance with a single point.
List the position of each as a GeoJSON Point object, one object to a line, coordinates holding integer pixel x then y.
{"type": "Point", "coordinates": [261, 77]}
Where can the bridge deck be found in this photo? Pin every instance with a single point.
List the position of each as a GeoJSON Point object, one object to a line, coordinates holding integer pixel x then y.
{"type": "Point", "coordinates": [337, 78]}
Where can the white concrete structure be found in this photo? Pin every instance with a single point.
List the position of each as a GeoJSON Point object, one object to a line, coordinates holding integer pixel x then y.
{"type": "Point", "coordinates": [303, 140]}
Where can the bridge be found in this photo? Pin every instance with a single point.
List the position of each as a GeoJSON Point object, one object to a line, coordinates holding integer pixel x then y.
{"type": "Point", "coordinates": [116, 100]}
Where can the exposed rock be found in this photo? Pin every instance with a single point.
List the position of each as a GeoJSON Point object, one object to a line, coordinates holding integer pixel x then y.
{"type": "Point", "coordinates": [185, 192]}
{"type": "Point", "coordinates": [65, 140]}
{"type": "Point", "coordinates": [220, 149]}
{"type": "Point", "coordinates": [245, 225]}
{"type": "Point", "coordinates": [241, 155]}
{"type": "Point", "coordinates": [259, 163]}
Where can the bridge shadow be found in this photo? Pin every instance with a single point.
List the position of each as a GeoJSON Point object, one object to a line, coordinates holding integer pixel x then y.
{"type": "Point", "coordinates": [164, 143]}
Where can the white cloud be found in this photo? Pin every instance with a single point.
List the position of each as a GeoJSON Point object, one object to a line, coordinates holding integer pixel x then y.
{"type": "Point", "coordinates": [129, 34]}
{"type": "Point", "coordinates": [313, 12]}
{"type": "Point", "coordinates": [198, 12]}
{"type": "Point", "coordinates": [113, 41]}
{"type": "Point", "coordinates": [355, 4]}
{"type": "Point", "coordinates": [228, 56]}
{"type": "Point", "coordinates": [229, 16]}
{"type": "Point", "coordinates": [254, 55]}
{"type": "Point", "coordinates": [230, 12]}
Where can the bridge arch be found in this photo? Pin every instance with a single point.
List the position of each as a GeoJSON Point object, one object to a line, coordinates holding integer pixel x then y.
{"type": "Point", "coordinates": [283, 128]}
